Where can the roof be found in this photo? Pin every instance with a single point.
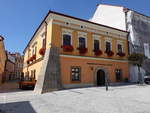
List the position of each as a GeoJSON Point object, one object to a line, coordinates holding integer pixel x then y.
{"type": "Point", "coordinates": [53, 12]}
{"type": "Point", "coordinates": [110, 5]}
{"type": "Point", "coordinates": [123, 7]}
{"type": "Point", "coordinates": [1, 38]}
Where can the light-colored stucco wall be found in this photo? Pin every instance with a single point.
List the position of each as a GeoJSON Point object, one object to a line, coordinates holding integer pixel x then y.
{"type": "Point", "coordinates": [110, 15]}
{"type": "Point", "coordinates": [88, 72]}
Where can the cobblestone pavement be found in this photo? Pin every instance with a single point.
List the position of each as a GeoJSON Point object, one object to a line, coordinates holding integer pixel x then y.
{"type": "Point", "coordinates": [122, 99]}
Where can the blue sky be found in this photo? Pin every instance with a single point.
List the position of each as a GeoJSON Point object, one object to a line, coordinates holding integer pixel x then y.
{"type": "Point", "coordinates": [20, 18]}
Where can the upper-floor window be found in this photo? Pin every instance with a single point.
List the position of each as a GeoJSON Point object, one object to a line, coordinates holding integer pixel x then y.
{"type": "Point", "coordinates": [108, 46]}
{"type": "Point", "coordinates": [82, 42]}
{"type": "Point", "coordinates": [96, 44]}
{"type": "Point", "coordinates": [34, 50]}
{"type": "Point", "coordinates": [43, 43]}
{"type": "Point", "coordinates": [66, 39]}
{"type": "Point", "coordinates": [119, 47]}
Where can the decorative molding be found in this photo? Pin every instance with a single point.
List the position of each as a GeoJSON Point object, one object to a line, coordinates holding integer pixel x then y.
{"type": "Point", "coordinates": [83, 35]}
{"type": "Point", "coordinates": [67, 32]}
{"type": "Point", "coordinates": [87, 29]}
{"type": "Point", "coordinates": [36, 61]}
{"type": "Point", "coordinates": [93, 58]}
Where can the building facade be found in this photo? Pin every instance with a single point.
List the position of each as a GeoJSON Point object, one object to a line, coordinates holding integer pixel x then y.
{"type": "Point", "coordinates": [86, 53]}
{"type": "Point", "coordinates": [18, 65]}
{"type": "Point", "coordinates": [10, 67]}
{"type": "Point", "coordinates": [3, 59]}
{"type": "Point", "coordinates": [138, 26]}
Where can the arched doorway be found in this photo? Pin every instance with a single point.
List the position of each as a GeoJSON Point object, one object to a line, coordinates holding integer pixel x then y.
{"type": "Point", "coordinates": [100, 77]}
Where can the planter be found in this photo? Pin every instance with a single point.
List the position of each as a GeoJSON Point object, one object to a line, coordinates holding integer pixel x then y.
{"type": "Point", "coordinates": [67, 48]}
{"type": "Point", "coordinates": [31, 59]}
{"type": "Point", "coordinates": [121, 54]}
{"type": "Point", "coordinates": [97, 52]}
{"type": "Point", "coordinates": [34, 57]}
{"type": "Point", "coordinates": [109, 53]}
{"type": "Point", "coordinates": [42, 51]}
{"type": "Point", "coordinates": [82, 50]}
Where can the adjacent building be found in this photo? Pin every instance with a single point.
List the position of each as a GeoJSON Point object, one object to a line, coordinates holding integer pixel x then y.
{"type": "Point", "coordinates": [138, 26]}
{"type": "Point", "coordinates": [10, 67]}
{"type": "Point", "coordinates": [3, 59]}
{"type": "Point", "coordinates": [73, 52]}
{"type": "Point", "coordinates": [18, 65]}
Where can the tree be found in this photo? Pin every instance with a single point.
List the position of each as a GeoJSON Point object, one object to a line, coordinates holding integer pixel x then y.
{"type": "Point", "coordinates": [138, 60]}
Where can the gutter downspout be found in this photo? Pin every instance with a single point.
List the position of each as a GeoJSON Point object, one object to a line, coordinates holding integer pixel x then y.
{"type": "Point", "coordinates": [126, 10]}
{"type": "Point", "coordinates": [45, 33]}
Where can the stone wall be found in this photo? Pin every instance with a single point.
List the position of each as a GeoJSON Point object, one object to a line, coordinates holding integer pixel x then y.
{"type": "Point", "coordinates": [49, 78]}
{"type": "Point", "coordinates": [141, 32]}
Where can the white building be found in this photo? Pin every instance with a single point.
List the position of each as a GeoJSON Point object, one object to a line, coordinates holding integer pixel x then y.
{"type": "Point", "coordinates": [138, 26]}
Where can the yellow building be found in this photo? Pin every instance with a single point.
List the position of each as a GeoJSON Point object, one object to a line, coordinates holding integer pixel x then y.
{"type": "Point", "coordinates": [2, 59]}
{"type": "Point", "coordinates": [89, 53]}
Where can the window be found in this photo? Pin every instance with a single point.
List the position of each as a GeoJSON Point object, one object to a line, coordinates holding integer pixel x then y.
{"type": "Point", "coordinates": [44, 43]}
{"type": "Point", "coordinates": [118, 74]}
{"type": "Point", "coordinates": [108, 46]}
{"type": "Point", "coordinates": [96, 44]}
{"type": "Point", "coordinates": [119, 46]}
{"type": "Point", "coordinates": [34, 74]}
{"type": "Point", "coordinates": [31, 75]}
{"type": "Point", "coordinates": [75, 73]}
{"type": "Point", "coordinates": [35, 50]}
{"type": "Point", "coordinates": [66, 39]}
{"type": "Point", "coordinates": [82, 43]}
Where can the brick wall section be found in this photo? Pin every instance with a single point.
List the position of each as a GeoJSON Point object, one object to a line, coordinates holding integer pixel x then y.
{"type": "Point", "coordinates": [2, 59]}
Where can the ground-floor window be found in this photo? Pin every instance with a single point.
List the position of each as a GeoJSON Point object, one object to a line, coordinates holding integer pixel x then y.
{"type": "Point", "coordinates": [75, 73]}
{"type": "Point", "coordinates": [33, 74]}
{"type": "Point", "coordinates": [118, 73]}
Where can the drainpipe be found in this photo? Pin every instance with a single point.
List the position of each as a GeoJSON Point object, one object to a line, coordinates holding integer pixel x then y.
{"type": "Point", "coordinates": [45, 33]}
{"type": "Point", "coordinates": [126, 10]}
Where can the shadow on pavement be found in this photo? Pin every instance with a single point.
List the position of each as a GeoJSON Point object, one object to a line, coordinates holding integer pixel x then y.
{"type": "Point", "coordinates": [9, 87]}
{"type": "Point", "coordinates": [17, 107]}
